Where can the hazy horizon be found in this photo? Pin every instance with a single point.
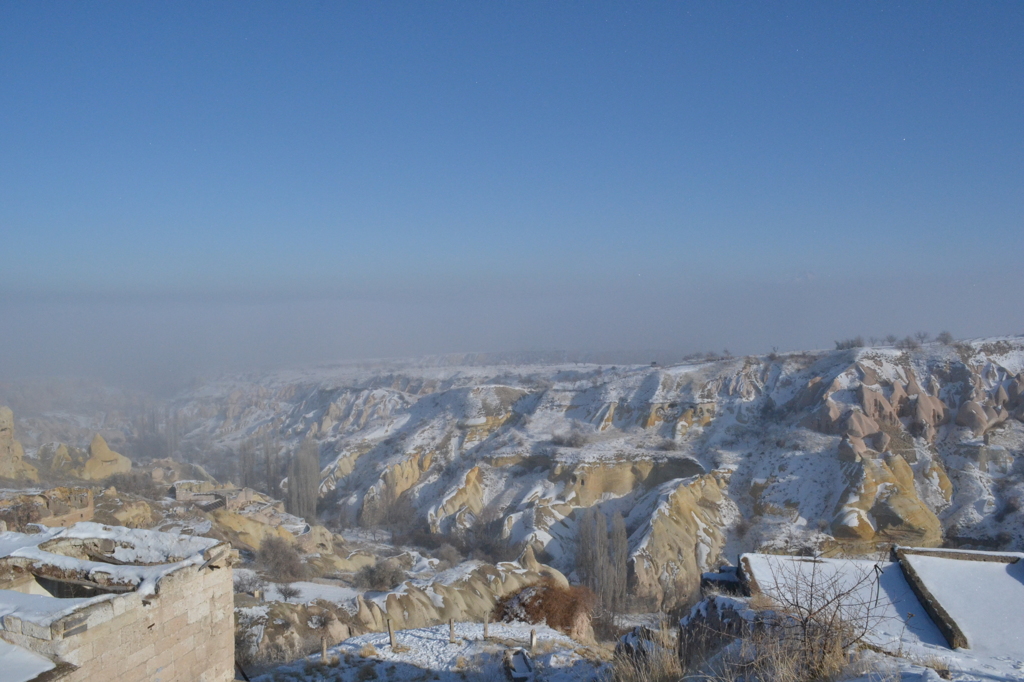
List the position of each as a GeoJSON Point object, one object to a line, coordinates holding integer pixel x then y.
{"type": "Point", "coordinates": [190, 188]}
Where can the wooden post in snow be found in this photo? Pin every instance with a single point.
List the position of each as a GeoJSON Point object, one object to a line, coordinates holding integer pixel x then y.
{"type": "Point", "coordinates": [391, 634]}
{"type": "Point", "coordinates": [323, 649]}
{"type": "Point", "coordinates": [533, 639]}
{"type": "Point", "coordinates": [451, 631]}
{"type": "Point", "coordinates": [487, 621]}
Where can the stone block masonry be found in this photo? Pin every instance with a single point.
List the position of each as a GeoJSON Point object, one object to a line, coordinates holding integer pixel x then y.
{"type": "Point", "coordinates": [182, 632]}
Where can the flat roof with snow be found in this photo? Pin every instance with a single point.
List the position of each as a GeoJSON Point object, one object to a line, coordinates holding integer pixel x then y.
{"type": "Point", "coordinates": [955, 599]}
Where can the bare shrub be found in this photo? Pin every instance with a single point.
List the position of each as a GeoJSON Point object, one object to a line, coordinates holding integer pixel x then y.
{"type": "Point", "coordinates": [448, 556]}
{"type": "Point", "coordinates": [248, 583]}
{"type": "Point", "coordinates": [280, 559]}
{"type": "Point", "coordinates": [367, 671]}
{"type": "Point", "coordinates": [654, 660]}
{"type": "Point", "coordinates": [288, 592]}
{"type": "Point", "coordinates": [484, 541]}
{"type": "Point", "coordinates": [812, 617]}
{"type": "Point", "coordinates": [908, 343]}
{"type": "Point", "coordinates": [945, 338]}
{"type": "Point", "coordinates": [667, 445]}
{"type": "Point", "coordinates": [847, 344]}
{"type": "Point", "coordinates": [382, 575]}
{"type": "Point", "coordinates": [573, 438]}
{"type": "Point", "coordinates": [19, 516]}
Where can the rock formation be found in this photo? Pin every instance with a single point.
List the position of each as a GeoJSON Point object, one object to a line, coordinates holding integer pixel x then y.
{"type": "Point", "coordinates": [12, 455]}
{"type": "Point", "coordinates": [96, 464]}
{"type": "Point", "coordinates": [680, 539]}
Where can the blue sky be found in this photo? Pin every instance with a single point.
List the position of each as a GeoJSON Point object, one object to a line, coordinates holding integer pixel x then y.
{"type": "Point", "coordinates": [445, 155]}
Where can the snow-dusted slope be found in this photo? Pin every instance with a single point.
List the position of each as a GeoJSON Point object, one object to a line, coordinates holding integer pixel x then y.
{"type": "Point", "coordinates": [817, 450]}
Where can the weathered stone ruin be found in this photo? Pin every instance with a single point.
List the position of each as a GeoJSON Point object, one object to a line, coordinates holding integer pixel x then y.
{"type": "Point", "coordinates": [56, 507]}
{"type": "Point", "coordinates": [96, 602]}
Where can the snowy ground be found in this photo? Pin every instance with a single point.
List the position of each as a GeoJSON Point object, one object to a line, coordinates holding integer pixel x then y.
{"type": "Point", "coordinates": [426, 654]}
{"type": "Point", "coordinates": [310, 592]}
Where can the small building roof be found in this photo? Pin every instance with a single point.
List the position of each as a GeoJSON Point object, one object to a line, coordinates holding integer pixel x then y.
{"type": "Point", "coordinates": [18, 664]}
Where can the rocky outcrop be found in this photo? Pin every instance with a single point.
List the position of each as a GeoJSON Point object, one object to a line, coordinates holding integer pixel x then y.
{"type": "Point", "coordinates": [96, 464]}
{"type": "Point", "coordinates": [12, 455]}
{"type": "Point", "coordinates": [284, 630]}
{"type": "Point", "coordinates": [679, 539]}
{"type": "Point", "coordinates": [103, 462]}
{"type": "Point", "coordinates": [245, 532]}
{"type": "Point", "coordinates": [882, 505]}
{"type": "Point", "coordinates": [590, 482]}
{"type": "Point", "coordinates": [466, 596]}
{"type": "Point", "coordinates": [465, 499]}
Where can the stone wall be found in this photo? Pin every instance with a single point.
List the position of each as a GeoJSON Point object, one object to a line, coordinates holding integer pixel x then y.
{"type": "Point", "coordinates": [183, 634]}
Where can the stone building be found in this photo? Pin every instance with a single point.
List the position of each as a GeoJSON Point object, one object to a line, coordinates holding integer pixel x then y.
{"type": "Point", "coordinates": [54, 507]}
{"type": "Point", "coordinates": [94, 602]}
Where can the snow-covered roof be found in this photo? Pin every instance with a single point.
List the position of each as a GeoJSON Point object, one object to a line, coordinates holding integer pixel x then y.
{"type": "Point", "coordinates": [931, 597]}
{"type": "Point", "coordinates": [110, 556]}
{"type": "Point", "coordinates": [21, 665]}
{"type": "Point", "coordinates": [980, 593]}
{"type": "Point", "coordinates": [878, 587]}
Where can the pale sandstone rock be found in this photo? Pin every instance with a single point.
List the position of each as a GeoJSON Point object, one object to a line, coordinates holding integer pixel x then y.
{"type": "Point", "coordinates": [244, 532]}
{"type": "Point", "coordinates": [972, 415]}
{"type": "Point", "coordinates": [469, 598]}
{"type": "Point", "coordinates": [104, 462]}
{"type": "Point", "coordinates": [12, 455]}
{"type": "Point", "coordinates": [882, 505]}
{"type": "Point", "coordinates": [681, 539]}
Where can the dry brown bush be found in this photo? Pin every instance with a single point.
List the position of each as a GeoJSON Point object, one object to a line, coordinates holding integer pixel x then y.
{"type": "Point", "coordinates": [562, 608]}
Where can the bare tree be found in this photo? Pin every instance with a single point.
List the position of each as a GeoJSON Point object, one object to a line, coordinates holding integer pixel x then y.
{"type": "Point", "coordinates": [908, 343]}
{"type": "Point", "coordinates": [813, 613]}
{"type": "Point", "coordinates": [271, 467]}
{"type": "Point", "coordinates": [288, 591]}
{"type": "Point", "coordinates": [280, 559]}
{"type": "Point", "coordinates": [304, 480]}
{"type": "Point", "coordinates": [847, 344]}
{"type": "Point", "coordinates": [618, 548]}
{"type": "Point", "coordinates": [602, 558]}
{"type": "Point", "coordinates": [592, 563]}
{"type": "Point", "coordinates": [247, 464]}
